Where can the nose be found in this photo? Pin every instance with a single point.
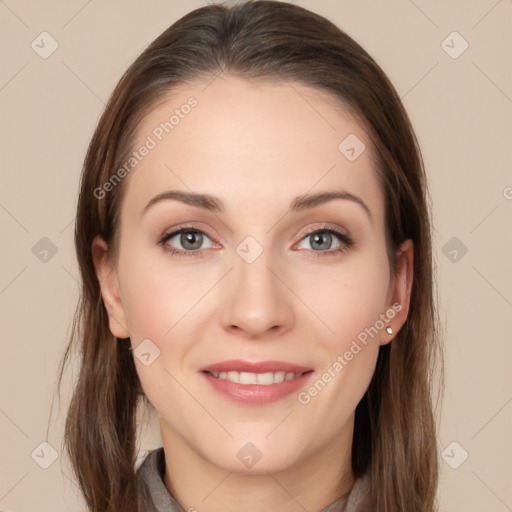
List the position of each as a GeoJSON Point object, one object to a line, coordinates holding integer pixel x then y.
{"type": "Point", "coordinates": [257, 304]}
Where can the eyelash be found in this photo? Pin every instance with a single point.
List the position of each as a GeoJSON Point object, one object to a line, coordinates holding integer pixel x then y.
{"type": "Point", "coordinates": [346, 241]}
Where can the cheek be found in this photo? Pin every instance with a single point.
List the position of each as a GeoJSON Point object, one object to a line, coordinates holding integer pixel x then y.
{"type": "Point", "coordinates": [347, 299]}
{"type": "Point", "coordinates": [156, 297]}
{"type": "Point", "coordinates": [351, 302]}
{"type": "Point", "coordinates": [350, 305]}
{"type": "Point", "coordinates": [160, 304]}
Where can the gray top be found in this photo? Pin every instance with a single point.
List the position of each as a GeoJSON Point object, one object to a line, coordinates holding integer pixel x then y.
{"type": "Point", "coordinates": [154, 496]}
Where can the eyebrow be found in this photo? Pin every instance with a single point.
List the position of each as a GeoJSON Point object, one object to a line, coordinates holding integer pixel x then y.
{"type": "Point", "coordinates": [216, 205]}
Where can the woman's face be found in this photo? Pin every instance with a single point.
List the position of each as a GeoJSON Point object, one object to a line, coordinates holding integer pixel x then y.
{"type": "Point", "coordinates": [261, 289]}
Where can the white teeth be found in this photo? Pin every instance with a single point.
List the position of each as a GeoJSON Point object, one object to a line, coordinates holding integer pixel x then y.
{"type": "Point", "coordinates": [278, 377]}
{"type": "Point", "coordinates": [264, 379]}
{"type": "Point", "coordinates": [233, 376]}
{"type": "Point", "coordinates": [271, 378]}
{"type": "Point", "coordinates": [246, 378]}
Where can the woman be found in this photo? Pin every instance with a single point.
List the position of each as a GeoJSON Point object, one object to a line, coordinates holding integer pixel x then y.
{"type": "Point", "coordinates": [254, 243]}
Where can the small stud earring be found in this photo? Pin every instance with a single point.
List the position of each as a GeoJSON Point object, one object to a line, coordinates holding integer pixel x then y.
{"type": "Point", "coordinates": [389, 330]}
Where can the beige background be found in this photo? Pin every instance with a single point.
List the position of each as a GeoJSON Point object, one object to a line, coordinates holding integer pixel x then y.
{"type": "Point", "coordinates": [461, 110]}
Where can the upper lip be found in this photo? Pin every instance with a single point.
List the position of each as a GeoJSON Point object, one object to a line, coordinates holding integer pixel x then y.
{"type": "Point", "coordinates": [239, 365]}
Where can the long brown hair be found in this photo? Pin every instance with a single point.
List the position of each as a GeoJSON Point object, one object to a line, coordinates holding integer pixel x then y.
{"type": "Point", "coordinates": [395, 429]}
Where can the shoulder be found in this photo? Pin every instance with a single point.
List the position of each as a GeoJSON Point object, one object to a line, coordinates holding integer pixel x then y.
{"type": "Point", "coordinates": [153, 496]}
{"type": "Point", "coordinates": [360, 497]}
{"type": "Point", "coordinates": [151, 463]}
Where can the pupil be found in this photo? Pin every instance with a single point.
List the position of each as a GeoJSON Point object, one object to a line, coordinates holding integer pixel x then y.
{"type": "Point", "coordinates": [195, 239]}
{"type": "Point", "coordinates": [317, 239]}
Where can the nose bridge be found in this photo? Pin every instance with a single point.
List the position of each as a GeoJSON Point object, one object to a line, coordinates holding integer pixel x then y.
{"type": "Point", "coordinates": [258, 300]}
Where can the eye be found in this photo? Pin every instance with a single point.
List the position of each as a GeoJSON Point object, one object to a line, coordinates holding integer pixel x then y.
{"type": "Point", "coordinates": [321, 241]}
{"type": "Point", "coordinates": [189, 241]}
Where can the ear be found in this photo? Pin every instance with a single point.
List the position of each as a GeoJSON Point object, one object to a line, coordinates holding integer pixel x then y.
{"type": "Point", "coordinates": [107, 277]}
{"type": "Point", "coordinates": [399, 292]}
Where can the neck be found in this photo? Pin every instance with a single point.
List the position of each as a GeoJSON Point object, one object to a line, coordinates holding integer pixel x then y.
{"type": "Point", "coordinates": [313, 483]}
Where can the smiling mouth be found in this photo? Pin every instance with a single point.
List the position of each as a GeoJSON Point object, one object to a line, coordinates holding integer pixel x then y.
{"type": "Point", "coordinates": [264, 379]}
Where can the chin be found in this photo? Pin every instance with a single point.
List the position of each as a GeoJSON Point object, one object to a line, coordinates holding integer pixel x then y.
{"type": "Point", "coordinates": [253, 457]}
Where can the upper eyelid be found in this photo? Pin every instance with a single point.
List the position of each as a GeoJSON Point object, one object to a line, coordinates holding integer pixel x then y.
{"type": "Point", "coordinates": [344, 238]}
{"type": "Point", "coordinates": [325, 227]}
{"type": "Point", "coordinates": [184, 227]}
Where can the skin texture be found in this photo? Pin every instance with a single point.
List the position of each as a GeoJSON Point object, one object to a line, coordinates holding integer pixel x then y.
{"type": "Point", "coordinates": [257, 147]}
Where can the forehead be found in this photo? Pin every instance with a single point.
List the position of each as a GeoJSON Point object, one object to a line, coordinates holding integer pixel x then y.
{"type": "Point", "coordinates": [250, 141]}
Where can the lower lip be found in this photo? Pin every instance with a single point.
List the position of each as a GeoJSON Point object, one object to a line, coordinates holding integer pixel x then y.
{"type": "Point", "coordinates": [256, 394]}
